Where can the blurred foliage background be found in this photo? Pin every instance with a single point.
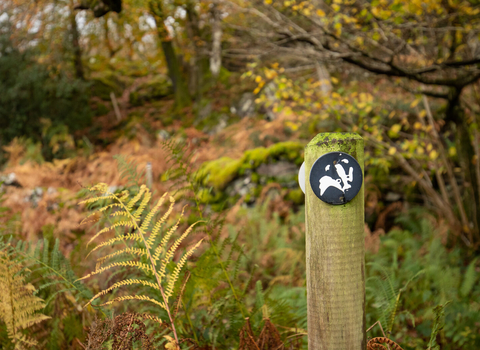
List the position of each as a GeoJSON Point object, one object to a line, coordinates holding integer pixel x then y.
{"type": "Point", "coordinates": [214, 101]}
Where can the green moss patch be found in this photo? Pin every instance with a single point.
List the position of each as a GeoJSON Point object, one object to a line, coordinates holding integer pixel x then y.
{"type": "Point", "coordinates": [228, 179]}
{"type": "Point", "coordinates": [220, 172]}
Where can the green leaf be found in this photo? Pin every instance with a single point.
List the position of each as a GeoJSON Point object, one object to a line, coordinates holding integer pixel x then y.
{"type": "Point", "coordinates": [469, 279]}
{"type": "Point", "coordinates": [438, 325]}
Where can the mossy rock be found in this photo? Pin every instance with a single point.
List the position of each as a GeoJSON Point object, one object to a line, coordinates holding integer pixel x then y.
{"type": "Point", "coordinates": [104, 83]}
{"type": "Point", "coordinates": [154, 89]}
{"type": "Point", "coordinates": [218, 174]}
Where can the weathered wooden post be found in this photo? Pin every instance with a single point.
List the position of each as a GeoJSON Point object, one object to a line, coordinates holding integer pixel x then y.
{"type": "Point", "coordinates": [335, 247]}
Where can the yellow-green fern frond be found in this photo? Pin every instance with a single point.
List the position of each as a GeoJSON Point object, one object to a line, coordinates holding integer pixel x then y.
{"type": "Point", "coordinates": [166, 238]}
{"type": "Point", "coordinates": [128, 237]}
{"type": "Point", "coordinates": [130, 211]}
{"type": "Point", "coordinates": [135, 199]}
{"type": "Point", "coordinates": [135, 297]}
{"type": "Point", "coordinates": [123, 196]}
{"type": "Point", "coordinates": [98, 211]}
{"type": "Point", "coordinates": [151, 214]}
{"type": "Point", "coordinates": [158, 225]}
{"type": "Point", "coordinates": [130, 263]}
{"type": "Point", "coordinates": [119, 213]}
{"type": "Point", "coordinates": [176, 272]}
{"type": "Point", "coordinates": [174, 247]}
{"type": "Point", "coordinates": [152, 318]}
{"type": "Point", "coordinates": [96, 199]}
{"type": "Point", "coordinates": [146, 198]}
{"type": "Point", "coordinates": [100, 187]}
{"type": "Point", "coordinates": [128, 250]}
{"type": "Point", "coordinates": [18, 304]}
{"type": "Point", "coordinates": [124, 223]}
{"type": "Point", "coordinates": [126, 282]}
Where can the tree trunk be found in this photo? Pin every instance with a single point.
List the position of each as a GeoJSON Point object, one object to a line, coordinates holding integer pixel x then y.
{"type": "Point", "coordinates": [182, 97]}
{"type": "Point", "coordinates": [77, 52]}
{"type": "Point", "coordinates": [216, 53]}
{"type": "Point", "coordinates": [180, 88]}
{"type": "Point", "coordinates": [111, 50]}
{"type": "Point", "coordinates": [465, 154]}
{"type": "Point", "coordinates": [199, 64]}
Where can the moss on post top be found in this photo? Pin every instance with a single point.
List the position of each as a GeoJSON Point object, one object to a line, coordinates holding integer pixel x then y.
{"type": "Point", "coordinates": [336, 141]}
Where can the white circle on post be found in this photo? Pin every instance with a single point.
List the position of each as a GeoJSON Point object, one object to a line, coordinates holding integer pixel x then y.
{"type": "Point", "coordinates": [301, 177]}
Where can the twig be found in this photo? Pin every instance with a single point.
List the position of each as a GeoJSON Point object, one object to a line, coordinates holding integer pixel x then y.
{"type": "Point", "coordinates": [380, 325]}
{"type": "Point", "coordinates": [81, 344]}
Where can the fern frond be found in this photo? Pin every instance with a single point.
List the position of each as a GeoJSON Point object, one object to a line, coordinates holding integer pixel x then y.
{"type": "Point", "coordinates": [166, 238]}
{"type": "Point", "coordinates": [127, 237]}
{"type": "Point", "coordinates": [128, 169]}
{"type": "Point", "coordinates": [128, 263]}
{"type": "Point", "coordinates": [96, 199]}
{"type": "Point", "coordinates": [123, 196]}
{"type": "Point", "coordinates": [129, 250]}
{"type": "Point", "coordinates": [135, 297]}
{"type": "Point", "coordinates": [146, 198]}
{"type": "Point", "coordinates": [55, 256]}
{"type": "Point", "coordinates": [125, 223]}
{"type": "Point", "coordinates": [18, 304]}
{"type": "Point", "coordinates": [53, 266]}
{"type": "Point", "coordinates": [151, 214]}
{"type": "Point", "coordinates": [21, 340]}
{"type": "Point", "coordinates": [133, 209]}
{"type": "Point", "coordinates": [100, 187]}
{"type": "Point", "coordinates": [174, 247]}
{"type": "Point", "coordinates": [119, 213]}
{"type": "Point", "coordinates": [98, 211]}
{"type": "Point", "coordinates": [176, 272]}
{"type": "Point", "coordinates": [126, 282]}
{"type": "Point", "coordinates": [45, 251]}
{"type": "Point", "coordinates": [152, 318]}
{"type": "Point", "coordinates": [158, 225]}
{"type": "Point", "coordinates": [135, 199]}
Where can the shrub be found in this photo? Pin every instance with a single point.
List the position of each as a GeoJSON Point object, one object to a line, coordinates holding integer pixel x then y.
{"type": "Point", "coordinates": [32, 91]}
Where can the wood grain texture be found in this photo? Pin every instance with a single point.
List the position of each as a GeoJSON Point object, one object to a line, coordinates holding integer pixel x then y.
{"type": "Point", "coordinates": [335, 251]}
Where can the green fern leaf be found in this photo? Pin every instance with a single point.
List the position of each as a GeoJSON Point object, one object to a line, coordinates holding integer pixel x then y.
{"type": "Point", "coordinates": [469, 279]}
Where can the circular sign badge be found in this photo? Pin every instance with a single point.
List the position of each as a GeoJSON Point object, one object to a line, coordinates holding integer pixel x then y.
{"type": "Point", "coordinates": [336, 178]}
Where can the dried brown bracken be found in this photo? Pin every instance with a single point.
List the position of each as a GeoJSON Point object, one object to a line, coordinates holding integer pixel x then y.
{"type": "Point", "coordinates": [124, 329]}
{"type": "Point", "coordinates": [269, 338]}
{"type": "Point", "coordinates": [376, 344]}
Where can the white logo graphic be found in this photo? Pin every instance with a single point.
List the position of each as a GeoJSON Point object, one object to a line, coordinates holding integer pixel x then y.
{"type": "Point", "coordinates": [342, 184]}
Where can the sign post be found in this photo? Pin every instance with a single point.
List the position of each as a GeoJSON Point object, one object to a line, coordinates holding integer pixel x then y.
{"type": "Point", "coordinates": [335, 245]}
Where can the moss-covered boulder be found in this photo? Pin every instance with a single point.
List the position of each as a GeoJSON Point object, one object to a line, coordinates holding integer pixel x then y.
{"type": "Point", "coordinates": [153, 89]}
{"type": "Point", "coordinates": [228, 179]}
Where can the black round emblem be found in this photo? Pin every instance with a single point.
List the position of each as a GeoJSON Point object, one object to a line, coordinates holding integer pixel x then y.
{"type": "Point", "coordinates": [336, 178]}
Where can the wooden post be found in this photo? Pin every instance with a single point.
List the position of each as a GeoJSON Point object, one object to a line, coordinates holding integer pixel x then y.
{"type": "Point", "coordinates": [149, 175]}
{"type": "Point", "coordinates": [335, 250]}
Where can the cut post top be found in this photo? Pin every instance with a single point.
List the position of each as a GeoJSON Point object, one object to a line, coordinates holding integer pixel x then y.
{"type": "Point", "coordinates": [336, 141]}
